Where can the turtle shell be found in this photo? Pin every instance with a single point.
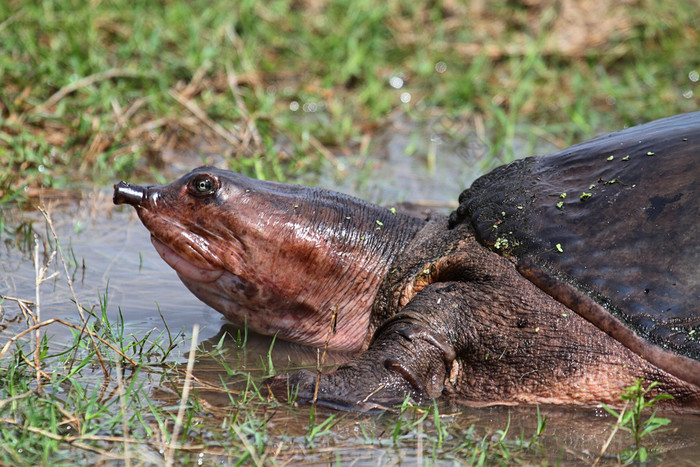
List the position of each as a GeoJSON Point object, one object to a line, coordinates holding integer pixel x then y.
{"type": "Point", "coordinates": [610, 227]}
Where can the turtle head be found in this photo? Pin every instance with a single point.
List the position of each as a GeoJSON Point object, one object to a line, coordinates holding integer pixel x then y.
{"type": "Point", "coordinates": [281, 258]}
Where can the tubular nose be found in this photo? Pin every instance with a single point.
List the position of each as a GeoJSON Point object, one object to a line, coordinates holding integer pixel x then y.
{"type": "Point", "coordinates": [127, 193]}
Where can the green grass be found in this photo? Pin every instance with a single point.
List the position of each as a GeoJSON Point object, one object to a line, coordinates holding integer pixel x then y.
{"type": "Point", "coordinates": [631, 420]}
{"type": "Point", "coordinates": [61, 408]}
{"type": "Point", "coordinates": [91, 92]}
{"type": "Point", "coordinates": [95, 91]}
{"type": "Point", "coordinates": [79, 416]}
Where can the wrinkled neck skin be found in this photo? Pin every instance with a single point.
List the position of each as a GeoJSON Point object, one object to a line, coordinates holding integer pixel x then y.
{"type": "Point", "coordinates": [281, 259]}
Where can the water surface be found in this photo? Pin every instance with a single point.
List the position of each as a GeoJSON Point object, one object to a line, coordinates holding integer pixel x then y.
{"type": "Point", "coordinates": [111, 259]}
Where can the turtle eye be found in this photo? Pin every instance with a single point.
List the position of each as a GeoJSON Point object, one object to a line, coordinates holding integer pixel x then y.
{"type": "Point", "coordinates": [203, 185]}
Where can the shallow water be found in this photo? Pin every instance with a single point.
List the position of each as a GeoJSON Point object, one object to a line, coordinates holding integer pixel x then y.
{"type": "Point", "coordinates": [113, 256]}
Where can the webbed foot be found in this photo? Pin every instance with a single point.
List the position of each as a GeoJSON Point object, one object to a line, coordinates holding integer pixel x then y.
{"type": "Point", "coordinates": [404, 360]}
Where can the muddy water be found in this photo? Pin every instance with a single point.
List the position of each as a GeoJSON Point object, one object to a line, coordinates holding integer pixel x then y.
{"type": "Point", "coordinates": [110, 256]}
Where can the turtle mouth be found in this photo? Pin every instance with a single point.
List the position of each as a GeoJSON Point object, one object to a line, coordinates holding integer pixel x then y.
{"type": "Point", "coordinates": [183, 266]}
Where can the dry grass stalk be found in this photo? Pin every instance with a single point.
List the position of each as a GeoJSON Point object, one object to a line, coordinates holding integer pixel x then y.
{"type": "Point", "coordinates": [122, 408]}
{"type": "Point", "coordinates": [321, 361]}
{"type": "Point", "coordinates": [248, 446]}
{"type": "Point", "coordinates": [75, 440]}
{"type": "Point", "coordinates": [232, 80]}
{"type": "Point", "coordinates": [85, 82]}
{"type": "Point", "coordinates": [618, 423]}
{"type": "Point", "coordinates": [84, 320]}
{"type": "Point", "coordinates": [170, 453]}
{"type": "Point", "coordinates": [48, 322]}
{"type": "Point", "coordinates": [204, 118]}
{"type": "Point", "coordinates": [40, 277]}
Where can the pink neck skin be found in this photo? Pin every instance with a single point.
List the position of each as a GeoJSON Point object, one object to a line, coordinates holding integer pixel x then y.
{"type": "Point", "coordinates": [280, 258]}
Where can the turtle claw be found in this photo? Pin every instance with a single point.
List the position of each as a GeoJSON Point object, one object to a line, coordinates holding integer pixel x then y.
{"type": "Point", "coordinates": [413, 331]}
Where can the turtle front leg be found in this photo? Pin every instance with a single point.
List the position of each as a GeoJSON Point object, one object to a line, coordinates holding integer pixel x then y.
{"type": "Point", "coordinates": [410, 355]}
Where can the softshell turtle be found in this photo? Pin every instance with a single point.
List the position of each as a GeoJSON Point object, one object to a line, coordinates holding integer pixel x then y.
{"type": "Point", "coordinates": [558, 279]}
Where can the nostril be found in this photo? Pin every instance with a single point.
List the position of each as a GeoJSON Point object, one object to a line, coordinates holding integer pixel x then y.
{"type": "Point", "coordinates": [127, 193]}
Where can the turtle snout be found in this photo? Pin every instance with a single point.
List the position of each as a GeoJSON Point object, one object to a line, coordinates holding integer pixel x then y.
{"type": "Point", "coordinates": [128, 193]}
